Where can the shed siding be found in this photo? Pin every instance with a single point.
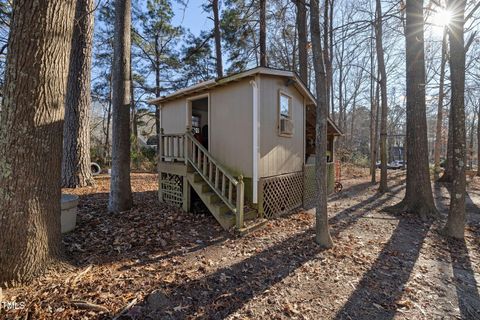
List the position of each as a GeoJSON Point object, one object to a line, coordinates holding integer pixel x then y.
{"type": "Point", "coordinates": [278, 154]}
{"type": "Point", "coordinates": [173, 116]}
{"type": "Point", "coordinates": [231, 117]}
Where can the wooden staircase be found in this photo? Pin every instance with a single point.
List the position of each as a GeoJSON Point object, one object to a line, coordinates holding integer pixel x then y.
{"type": "Point", "coordinates": [215, 205]}
{"type": "Point", "coordinates": [222, 193]}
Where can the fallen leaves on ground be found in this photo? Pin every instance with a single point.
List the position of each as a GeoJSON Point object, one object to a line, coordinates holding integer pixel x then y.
{"type": "Point", "coordinates": [157, 262]}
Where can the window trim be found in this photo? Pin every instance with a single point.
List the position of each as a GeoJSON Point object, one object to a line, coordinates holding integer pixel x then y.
{"type": "Point", "coordinates": [290, 113]}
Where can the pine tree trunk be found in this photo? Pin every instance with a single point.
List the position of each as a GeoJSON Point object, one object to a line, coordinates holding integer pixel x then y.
{"type": "Point", "coordinates": [330, 67]}
{"type": "Point", "coordinates": [478, 139]}
{"type": "Point", "coordinates": [134, 130]}
{"type": "Point", "coordinates": [456, 216]}
{"type": "Point", "coordinates": [447, 174]}
{"type": "Point", "coordinates": [158, 89]}
{"type": "Point", "coordinates": [438, 135]}
{"type": "Point", "coordinates": [218, 38]}
{"type": "Point", "coordinates": [263, 33]}
{"type": "Point", "coordinates": [418, 195]}
{"type": "Point", "coordinates": [76, 171]}
{"type": "Point", "coordinates": [323, 237]}
{"type": "Point", "coordinates": [470, 142]}
{"type": "Point", "coordinates": [326, 56]}
{"type": "Point", "coordinates": [373, 115]}
{"type": "Point", "coordinates": [383, 92]}
{"type": "Point", "coordinates": [302, 40]}
{"type": "Point", "coordinates": [31, 137]}
{"type": "Point", "coordinates": [120, 187]}
{"type": "Point", "coordinates": [107, 131]}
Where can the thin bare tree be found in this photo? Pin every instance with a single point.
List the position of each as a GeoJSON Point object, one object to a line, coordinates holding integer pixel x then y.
{"type": "Point", "coordinates": [263, 33]}
{"type": "Point", "coordinates": [323, 237]}
{"type": "Point", "coordinates": [218, 38]}
{"type": "Point", "coordinates": [441, 94]}
{"type": "Point", "coordinates": [383, 93]}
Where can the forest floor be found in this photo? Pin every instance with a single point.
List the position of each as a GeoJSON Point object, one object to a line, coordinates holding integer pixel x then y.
{"type": "Point", "coordinates": [156, 262]}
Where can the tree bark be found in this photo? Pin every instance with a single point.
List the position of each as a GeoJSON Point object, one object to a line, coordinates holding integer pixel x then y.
{"type": "Point", "coordinates": [134, 129]}
{"type": "Point", "coordinates": [455, 226]}
{"type": "Point", "coordinates": [157, 89]}
{"type": "Point", "coordinates": [263, 33]}
{"type": "Point", "coordinates": [470, 141]}
{"type": "Point", "coordinates": [438, 135]}
{"type": "Point", "coordinates": [218, 38]}
{"type": "Point", "coordinates": [326, 56]}
{"type": "Point", "coordinates": [120, 187]}
{"type": "Point", "coordinates": [31, 137]}
{"type": "Point", "coordinates": [323, 237]}
{"type": "Point", "coordinates": [302, 40]}
{"type": "Point", "coordinates": [383, 92]}
{"type": "Point", "coordinates": [109, 118]}
{"type": "Point", "coordinates": [418, 195]}
{"type": "Point", "coordinates": [373, 114]}
{"type": "Point", "coordinates": [447, 173]}
{"type": "Point", "coordinates": [76, 171]}
{"type": "Point", "coordinates": [478, 139]}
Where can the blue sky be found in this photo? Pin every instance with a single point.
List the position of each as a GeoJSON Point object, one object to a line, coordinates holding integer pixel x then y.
{"type": "Point", "coordinates": [193, 18]}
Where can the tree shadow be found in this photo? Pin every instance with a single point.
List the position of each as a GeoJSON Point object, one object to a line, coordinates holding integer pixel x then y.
{"type": "Point", "coordinates": [221, 293]}
{"type": "Point", "coordinates": [465, 282]}
{"type": "Point", "coordinates": [470, 205]}
{"type": "Point", "coordinates": [345, 218]}
{"type": "Point", "coordinates": [377, 294]}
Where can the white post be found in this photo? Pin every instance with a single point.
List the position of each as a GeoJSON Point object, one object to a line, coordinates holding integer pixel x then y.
{"type": "Point", "coordinates": [256, 148]}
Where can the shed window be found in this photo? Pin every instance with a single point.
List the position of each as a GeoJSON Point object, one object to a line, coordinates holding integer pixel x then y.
{"type": "Point", "coordinates": [285, 115]}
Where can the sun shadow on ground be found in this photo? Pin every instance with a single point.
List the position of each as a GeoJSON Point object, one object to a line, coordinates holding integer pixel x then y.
{"type": "Point", "coordinates": [221, 293]}
{"type": "Point", "coordinates": [377, 294]}
{"type": "Point", "coordinates": [465, 282]}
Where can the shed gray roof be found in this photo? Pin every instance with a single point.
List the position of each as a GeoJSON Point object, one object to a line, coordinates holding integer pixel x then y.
{"type": "Point", "coordinates": [209, 84]}
{"type": "Point", "coordinates": [235, 77]}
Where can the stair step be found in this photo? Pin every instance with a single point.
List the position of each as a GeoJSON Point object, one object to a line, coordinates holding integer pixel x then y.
{"type": "Point", "coordinates": [220, 210]}
{"type": "Point", "coordinates": [197, 177]}
{"type": "Point", "coordinates": [253, 226]}
{"type": "Point", "coordinates": [212, 197]}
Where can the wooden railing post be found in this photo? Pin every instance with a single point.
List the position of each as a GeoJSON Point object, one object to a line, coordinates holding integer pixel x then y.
{"type": "Point", "coordinates": [239, 217]}
{"type": "Point", "coordinates": [186, 145]}
{"type": "Point", "coordinates": [160, 146]}
{"type": "Point", "coordinates": [160, 159]}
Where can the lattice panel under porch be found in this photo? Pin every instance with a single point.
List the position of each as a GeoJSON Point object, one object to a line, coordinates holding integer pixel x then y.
{"type": "Point", "coordinates": [310, 186]}
{"type": "Point", "coordinates": [281, 194]}
{"type": "Point", "coordinates": [172, 189]}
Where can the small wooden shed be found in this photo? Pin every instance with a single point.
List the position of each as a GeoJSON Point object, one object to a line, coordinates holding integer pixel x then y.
{"type": "Point", "coordinates": [244, 143]}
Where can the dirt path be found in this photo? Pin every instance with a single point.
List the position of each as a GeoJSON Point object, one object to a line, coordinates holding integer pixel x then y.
{"type": "Point", "coordinates": [166, 264]}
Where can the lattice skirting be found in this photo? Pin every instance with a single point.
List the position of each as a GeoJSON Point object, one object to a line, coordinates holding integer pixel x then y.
{"type": "Point", "coordinates": [172, 189]}
{"type": "Point", "coordinates": [310, 187]}
{"type": "Point", "coordinates": [282, 194]}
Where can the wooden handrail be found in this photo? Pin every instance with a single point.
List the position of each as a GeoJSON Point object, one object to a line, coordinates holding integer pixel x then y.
{"type": "Point", "coordinates": [218, 165]}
